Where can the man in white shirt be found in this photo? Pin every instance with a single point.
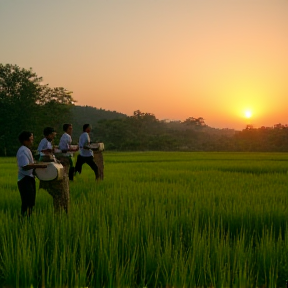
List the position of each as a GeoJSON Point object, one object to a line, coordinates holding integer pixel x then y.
{"type": "Point", "coordinates": [45, 147]}
{"type": "Point", "coordinates": [58, 189]}
{"type": "Point", "coordinates": [86, 154]}
{"type": "Point", "coordinates": [26, 180]}
{"type": "Point", "coordinates": [66, 140]}
{"type": "Point", "coordinates": [65, 147]}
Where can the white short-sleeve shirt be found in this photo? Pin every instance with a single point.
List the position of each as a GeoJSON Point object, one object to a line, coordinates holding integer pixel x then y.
{"type": "Point", "coordinates": [24, 157]}
{"type": "Point", "coordinates": [65, 142]}
{"type": "Point", "coordinates": [84, 140]}
{"type": "Point", "coordinates": [43, 145]}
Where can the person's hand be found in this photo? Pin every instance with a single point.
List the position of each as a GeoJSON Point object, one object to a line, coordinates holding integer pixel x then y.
{"type": "Point", "coordinates": [76, 148]}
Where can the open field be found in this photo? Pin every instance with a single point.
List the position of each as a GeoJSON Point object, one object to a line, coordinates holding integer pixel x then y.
{"type": "Point", "coordinates": [157, 220]}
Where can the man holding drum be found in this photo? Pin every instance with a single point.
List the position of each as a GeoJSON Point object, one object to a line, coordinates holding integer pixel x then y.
{"type": "Point", "coordinates": [58, 188]}
{"type": "Point", "coordinates": [66, 148]}
{"type": "Point", "coordinates": [86, 154]}
{"type": "Point", "coordinates": [26, 179]}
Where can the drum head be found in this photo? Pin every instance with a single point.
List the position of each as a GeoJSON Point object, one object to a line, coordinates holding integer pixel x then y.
{"type": "Point", "coordinates": [54, 171]}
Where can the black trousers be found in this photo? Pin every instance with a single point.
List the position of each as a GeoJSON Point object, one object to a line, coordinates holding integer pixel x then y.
{"type": "Point", "coordinates": [88, 160]}
{"type": "Point", "coordinates": [27, 189]}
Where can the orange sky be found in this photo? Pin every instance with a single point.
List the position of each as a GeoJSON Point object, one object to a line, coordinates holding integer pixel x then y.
{"type": "Point", "coordinates": [176, 59]}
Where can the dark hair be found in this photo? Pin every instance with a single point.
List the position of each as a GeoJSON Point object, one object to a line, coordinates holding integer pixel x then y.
{"type": "Point", "coordinates": [66, 126]}
{"type": "Point", "coordinates": [48, 130]}
{"type": "Point", "coordinates": [24, 136]}
{"type": "Point", "coordinates": [85, 126]}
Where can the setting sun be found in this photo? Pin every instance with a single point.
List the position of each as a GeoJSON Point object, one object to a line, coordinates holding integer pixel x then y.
{"type": "Point", "coordinates": [248, 114]}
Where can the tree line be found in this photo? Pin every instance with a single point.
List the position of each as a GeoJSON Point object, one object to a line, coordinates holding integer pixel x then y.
{"type": "Point", "coordinates": [28, 104]}
{"type": "Point", "coordinates": [143, 131]}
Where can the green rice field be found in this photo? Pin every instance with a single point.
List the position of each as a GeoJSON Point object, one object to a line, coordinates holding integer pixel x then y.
{"type": "Point", "coordinates": [159, 219]}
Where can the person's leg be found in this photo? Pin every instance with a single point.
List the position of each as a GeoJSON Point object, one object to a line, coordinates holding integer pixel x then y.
{"type": "Point", "coordinates": [21, 188]}
{"type": "Point", "coordinates": [80, 161]}
{"type": "Point", "coordinates": [27, 189]}
{"type": "Point", "coordinates": [31, 185]}
{"type": "Point", "coordinates": [71, 169]}
{"type": "Point", "coordinates": [92, 164]}
{"type": "Point", "coordinates": [71, 173]}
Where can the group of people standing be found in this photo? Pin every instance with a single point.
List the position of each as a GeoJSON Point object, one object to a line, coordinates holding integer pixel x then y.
{"type": "Point", "coordinates": [58, 189]}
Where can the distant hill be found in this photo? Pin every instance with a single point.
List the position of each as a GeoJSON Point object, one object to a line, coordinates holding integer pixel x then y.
{"type": "Point", "coordinates": [86, 114]}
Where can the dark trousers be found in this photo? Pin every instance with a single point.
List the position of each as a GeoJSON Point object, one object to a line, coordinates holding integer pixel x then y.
{"type": "Point", "coordinates": [88, 160]}
{"type": "Point", "coordinates": [71, 169]}
{"type": "Point", "coordinates": [71, 173]}
{"type": "Point", "coordinates": [27, 189]}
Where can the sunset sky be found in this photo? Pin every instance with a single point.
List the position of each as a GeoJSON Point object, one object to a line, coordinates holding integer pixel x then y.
{"type": "Point", "coordinates": [215, 59]}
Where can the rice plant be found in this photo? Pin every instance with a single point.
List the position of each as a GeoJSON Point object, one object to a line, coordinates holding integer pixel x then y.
{"type": "Point", "coordinates": [159, 219]}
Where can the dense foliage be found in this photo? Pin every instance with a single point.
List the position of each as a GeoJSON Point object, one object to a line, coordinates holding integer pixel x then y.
{"type": "Point", "coordinates": [143, 131]}
{"type": "Point", "coordinates": [27, 104]}
{"type": "Point", "coordinates": [86, 114]}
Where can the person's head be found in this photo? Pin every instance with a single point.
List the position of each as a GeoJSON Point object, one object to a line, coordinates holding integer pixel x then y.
{"type": "Point", "coordinates": [67, 128]}
{"type": "Point", "coordinates": [49, 133]}
{"type": "Point", "coordinates": [87, 128]}
{"type": "Point", "coordinates": [26, 138]}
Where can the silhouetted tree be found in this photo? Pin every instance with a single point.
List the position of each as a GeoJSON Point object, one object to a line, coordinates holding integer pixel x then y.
{"type": "Point", "coordinates": [25, 103]}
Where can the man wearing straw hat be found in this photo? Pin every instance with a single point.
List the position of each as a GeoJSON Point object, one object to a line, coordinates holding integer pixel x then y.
{"type": "Point", "coordinates": [26, 179]}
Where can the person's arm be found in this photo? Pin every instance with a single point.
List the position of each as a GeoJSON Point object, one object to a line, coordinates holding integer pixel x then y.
{"type": "Point", "coordinates": [25, 162]}
{"type": "Point", "coordinates": [86, 142]}
{"type": "Point", "coordinates": [94, 146]}
{"type": "Point", "coordinates": [33, 166]}
{"type": "Point", "coordinates": [73, 149]}
{"type": "Point", "coordinates": [46, 151]}
{"type": "Point", "coordinates": [70, 147]}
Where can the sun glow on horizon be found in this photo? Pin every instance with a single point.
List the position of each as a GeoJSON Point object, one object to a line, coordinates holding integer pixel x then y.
{"type": "Point", "coordinates": [248, 113]}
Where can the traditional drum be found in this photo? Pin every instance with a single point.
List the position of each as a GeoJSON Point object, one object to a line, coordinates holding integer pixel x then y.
{"type": "Point", "coordinates": [97, 146]}
{"type": "Point", "coordinates": [54, 171]}
{"type": "Point", "coordinates": [59, 187]}
{"type": "Point", "coordinates": [98, 159]}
